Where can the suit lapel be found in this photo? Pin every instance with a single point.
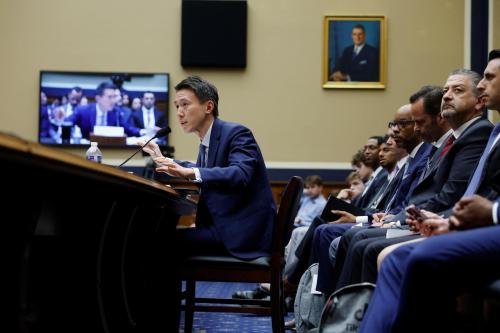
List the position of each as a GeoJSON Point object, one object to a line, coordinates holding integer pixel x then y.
{"type": "Point", "coordinates": [214, 142]}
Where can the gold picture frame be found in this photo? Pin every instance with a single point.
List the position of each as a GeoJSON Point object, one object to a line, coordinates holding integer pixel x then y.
{"type": "Point", "coordinates": [354, 52]}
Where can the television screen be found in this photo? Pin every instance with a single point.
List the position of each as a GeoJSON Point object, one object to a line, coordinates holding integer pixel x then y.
{"type": "Point", "coordinates": [113, 109]}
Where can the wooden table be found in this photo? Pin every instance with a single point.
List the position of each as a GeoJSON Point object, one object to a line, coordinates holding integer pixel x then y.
{"type": "Point", "coordinates": [85, 244]}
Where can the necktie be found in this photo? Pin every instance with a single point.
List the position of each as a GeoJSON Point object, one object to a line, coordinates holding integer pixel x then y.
{"type": "Point", "coordinates": [203, 162]}
{"type": "Point", "coordinates": [474, 182]}
{"type": "Point", "coordinates": [447, 147]}
{"type": "Point", "coordinates": [149, 125]}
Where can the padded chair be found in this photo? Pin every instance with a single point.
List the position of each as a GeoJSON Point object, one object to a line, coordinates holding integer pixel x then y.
{"type": "Point", "coordinates": [230, 269]}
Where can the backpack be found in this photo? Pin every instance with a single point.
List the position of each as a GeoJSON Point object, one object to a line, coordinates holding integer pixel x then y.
{"type": "Point", "coordinates": [307, 305]}
{"type": "Point", "coordinates": [345, 308]}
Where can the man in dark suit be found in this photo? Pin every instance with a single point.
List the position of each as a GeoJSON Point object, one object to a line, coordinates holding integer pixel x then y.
{"type": "Point", "coordinates": [236, 211]}
{"type": "Point", "coordinates": [439, 190]}
{"type": "Point", "coordinates": [358, 62]}
{"type": "Point", "coordinates": [101, 113]}
{"type": "Point", "coordinates": [149, 119]}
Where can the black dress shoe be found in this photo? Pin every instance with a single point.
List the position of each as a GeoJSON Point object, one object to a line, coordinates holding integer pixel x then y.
{"type": "Point", "coordinates": [251, 294]}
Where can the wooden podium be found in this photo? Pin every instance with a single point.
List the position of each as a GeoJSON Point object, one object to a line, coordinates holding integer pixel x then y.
{"type": "Point", "coordinates": [85, 243]}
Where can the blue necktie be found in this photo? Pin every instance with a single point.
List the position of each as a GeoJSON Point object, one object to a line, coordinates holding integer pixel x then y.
{"type": "Point", "coordinates": [476, 178]}
{"type": "Point", "coordinates": [203, 163]}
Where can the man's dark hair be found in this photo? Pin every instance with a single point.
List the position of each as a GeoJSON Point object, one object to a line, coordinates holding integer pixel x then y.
{"type": "Point", "coordinates": [78, 89]}
{"type": "Point", "coordinates": [421, 93]}
{"type": "Point", "coordinates": [379, 139]}
{"type": "Point", "coordinates": [432, 101]}
{"type": "Point", "coordinates": [103, 86]}
{"type": "Point", "coordinates": [359, 26]}
{"type": "Point", "coordinates": [204, 90]}
{"type": "Point", "coordinates": [474, 76]}
{"type": "Point", "coordinates": [148, 92]}
{"type": "Point", "coordinates": [494, 54]}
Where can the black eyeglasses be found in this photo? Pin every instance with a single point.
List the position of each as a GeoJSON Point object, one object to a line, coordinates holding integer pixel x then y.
{"type": "Point", "coordinates": [401, 123]}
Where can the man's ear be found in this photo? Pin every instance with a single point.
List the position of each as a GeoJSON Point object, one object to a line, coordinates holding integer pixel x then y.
{"type": "Point", "coordinates": [210, 107]}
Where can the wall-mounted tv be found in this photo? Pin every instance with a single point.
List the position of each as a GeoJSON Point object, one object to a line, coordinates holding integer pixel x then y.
{"type": "Point", "coordinates": [113, 108]}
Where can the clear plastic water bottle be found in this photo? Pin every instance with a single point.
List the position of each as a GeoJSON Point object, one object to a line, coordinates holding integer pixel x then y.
{"type": "Point", "coordinates": [94, 153]}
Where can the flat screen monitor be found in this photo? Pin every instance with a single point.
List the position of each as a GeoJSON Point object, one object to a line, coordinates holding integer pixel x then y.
{"type": "Point", "coordinates": [115, 109]}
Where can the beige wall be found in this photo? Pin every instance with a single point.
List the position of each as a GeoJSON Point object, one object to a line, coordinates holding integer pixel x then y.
{"type": "Point", "coordinates": [278, 95]}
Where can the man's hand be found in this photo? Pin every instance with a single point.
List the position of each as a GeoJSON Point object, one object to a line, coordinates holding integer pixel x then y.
{"type": "Point", "coordinates": [173, 169]}
{"type": "Point", "coordinates": [345, 217]}
{"type": "Point", "coordinates": [152, 149]}
{"type": "Point", "coordinates": [378, 217]}
{"type": "Point", "coordinates": [338, 76]}
{"type": "Point", "coordinates": [345, 194]}
{"type": "Point", "coordinates": [434, 226]}
{"type": "Point", "coordinates": [471, 212]}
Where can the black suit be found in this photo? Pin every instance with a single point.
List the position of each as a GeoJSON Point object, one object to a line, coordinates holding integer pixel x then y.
{"type": "Point", "coordinates": [362, 67]}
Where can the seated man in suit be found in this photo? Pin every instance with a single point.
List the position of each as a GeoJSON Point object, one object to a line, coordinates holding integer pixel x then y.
{"type": "Point", "coordinates": [236, 210]}
{"type": "Point", "coordinates": [358, 62]}
{"type": "Point", "coordinates": [101, 113]}
{"type": "Point", "coordinates": [427, 275]}
{"type": "Point", "coordinates": [148, 118]}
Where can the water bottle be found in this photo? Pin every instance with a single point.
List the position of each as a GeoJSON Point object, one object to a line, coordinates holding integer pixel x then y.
{"type": "Point", "coordinates": [94, 153]}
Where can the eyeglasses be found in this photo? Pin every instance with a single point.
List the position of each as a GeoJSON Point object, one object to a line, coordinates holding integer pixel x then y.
{"type": "Point", "coordinates": [401, 123]}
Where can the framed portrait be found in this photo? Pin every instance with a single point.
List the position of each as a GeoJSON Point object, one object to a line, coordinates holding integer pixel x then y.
{"type": "Point", "coordinates": [354, 52]}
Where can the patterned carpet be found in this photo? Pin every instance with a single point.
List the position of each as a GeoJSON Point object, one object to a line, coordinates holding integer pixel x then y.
{"type": "Point", "coordinates": [205, 322]}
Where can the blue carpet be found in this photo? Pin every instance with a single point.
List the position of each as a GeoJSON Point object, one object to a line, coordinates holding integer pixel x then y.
{"type": "Point", "coordinates": [205, 322]}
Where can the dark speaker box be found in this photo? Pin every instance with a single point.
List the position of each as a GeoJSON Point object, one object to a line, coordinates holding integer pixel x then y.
{"type": "Point", "coordinates": [214, 33]}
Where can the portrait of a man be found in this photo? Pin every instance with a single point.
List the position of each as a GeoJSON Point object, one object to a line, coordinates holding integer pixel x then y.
{"type": "Point", "coordinates": [353, 52]}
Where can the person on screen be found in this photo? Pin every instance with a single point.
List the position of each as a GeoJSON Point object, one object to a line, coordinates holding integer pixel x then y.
{"type": "Point", "coordinates": [136, 104]}
{"type": "Point", "coordinates": [358, 62]}
{"type": "Point", "coordinates": [100, 113]}
{"type": "Point", "coordinates": [148, 118]}
{"type": "Point", "coordinates": [123, 110]}
{"type": "Point", "coordinates": [236, 210]}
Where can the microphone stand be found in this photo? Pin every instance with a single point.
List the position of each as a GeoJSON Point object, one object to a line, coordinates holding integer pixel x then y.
{"type": "Point", "coordinates": [138, 150]}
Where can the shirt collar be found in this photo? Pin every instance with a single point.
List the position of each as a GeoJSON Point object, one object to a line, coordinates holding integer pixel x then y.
{"type": "Point", "coordinates": [461, 129]}
{"type": "Point", "coordinates": [402, 162]}
{"type": "Point", "coordinates": [206, 139]}
{"type": "Point", "coordinates": [377, 171]}
{"type": "Point", "coordinates": [441, 140]}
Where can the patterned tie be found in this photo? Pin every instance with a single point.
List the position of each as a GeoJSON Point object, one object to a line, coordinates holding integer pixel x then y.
{"type": "Point", "coordinates": [476, 178]}
{"type": "Point", "coordinates": [447, 147]}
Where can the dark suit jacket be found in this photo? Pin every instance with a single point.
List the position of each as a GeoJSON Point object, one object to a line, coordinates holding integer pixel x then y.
{"type": "Point", "coordinates": [446, 184]}
{"type": "Point", "coordinates": [489, 186]}
{"type": "Point", "coordinates": [362, 201]}
{"type": "Point", "coordinates": [363, 67]}
{"type": "Point", "coordinates": [85, 118]}
{"type": "Point", "coordinates": [410, 178]}
{"type": "Point", "coordinates": [236, 199]}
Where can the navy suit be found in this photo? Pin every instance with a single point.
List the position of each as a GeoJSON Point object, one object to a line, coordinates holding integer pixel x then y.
{"type": "Point", "coordinates": [362, 67]}
{"type": "Point", "coordinates": [85, 118]}
{"type": "Point", "coordinates": [236, 205]}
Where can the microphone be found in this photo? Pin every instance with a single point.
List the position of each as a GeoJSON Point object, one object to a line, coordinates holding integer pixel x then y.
{"type": "Point", "coordinates": [161, 133]}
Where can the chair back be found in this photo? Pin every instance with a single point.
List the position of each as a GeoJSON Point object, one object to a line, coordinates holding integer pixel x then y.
{"type": "Point", "coordinates": [288, 208]}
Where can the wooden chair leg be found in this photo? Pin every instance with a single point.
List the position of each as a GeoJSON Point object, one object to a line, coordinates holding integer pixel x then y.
{"type": "Point", "coordinates": [277, 305]}
{"type": "Point", "coordinates": [189, 312]}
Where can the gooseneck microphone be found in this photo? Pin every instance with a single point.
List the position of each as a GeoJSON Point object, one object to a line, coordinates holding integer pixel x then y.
{"type": "Point", "coordinates": [160, 134]}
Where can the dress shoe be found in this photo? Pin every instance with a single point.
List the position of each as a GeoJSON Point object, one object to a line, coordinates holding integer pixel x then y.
{"type": "Point", "coordinates": [250, 294]}
{"type": "Point", "coordinates": [290, 325]}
